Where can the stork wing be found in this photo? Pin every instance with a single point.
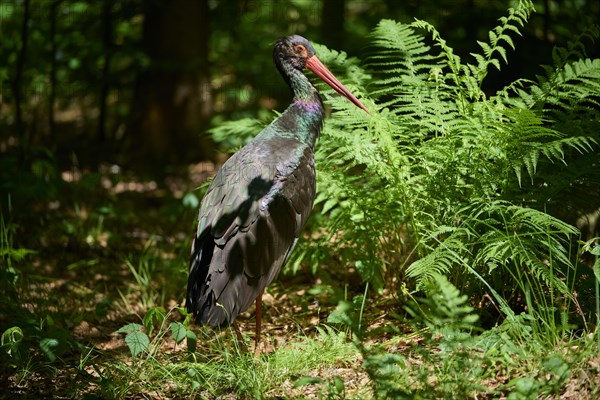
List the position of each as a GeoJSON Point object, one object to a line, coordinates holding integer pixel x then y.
{"type": "Point", "coordinates": [249, 222]}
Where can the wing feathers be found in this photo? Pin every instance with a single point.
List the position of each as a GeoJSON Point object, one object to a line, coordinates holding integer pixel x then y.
{"type": "Point", "coordinates": [249, 221]}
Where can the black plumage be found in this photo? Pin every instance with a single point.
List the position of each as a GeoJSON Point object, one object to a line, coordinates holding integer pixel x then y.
{"type": "Point", "coordinates": [253, 213]}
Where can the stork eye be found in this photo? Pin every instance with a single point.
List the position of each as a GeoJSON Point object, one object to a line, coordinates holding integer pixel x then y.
{"type": "Point", "coordinates": [300, 50]}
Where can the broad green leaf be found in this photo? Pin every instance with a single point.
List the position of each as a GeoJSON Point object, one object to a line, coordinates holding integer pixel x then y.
{"type": "Point", "coordinates": [178, 331]}
{"type": "Point", "coordinates": [11, 339]}
{"type": "Point", "coordinates": [137, 342]}
{"type": "Point", "coordinates": [192, 341]}
{"type": "Point", "coordinates": [339, 384]}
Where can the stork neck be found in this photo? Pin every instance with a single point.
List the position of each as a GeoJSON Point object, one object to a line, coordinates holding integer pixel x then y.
{"type": "Point", "coordinates": [301, 87]}
{"type": "Point", "coordinates": [303, 119]}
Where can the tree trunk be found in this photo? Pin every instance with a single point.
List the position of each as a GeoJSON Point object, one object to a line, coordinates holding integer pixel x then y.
{"type": "Point", "coordinates": [547, 19]}
{"type": "Point", "coordinates": [333, 15]}
{"type": "Point", "coordinates": [16, 87]}
{"type": "Point", "coordinates": [107, 45]}
{"type": "Point", "coordinates": [172, 102]}
{"type": "Point", "coordinates": [53, 51]}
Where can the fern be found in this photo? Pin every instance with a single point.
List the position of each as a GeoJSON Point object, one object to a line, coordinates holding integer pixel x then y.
{"type": "Point", "coordinates": [438, 172]}
{"type": "Point", "coordinates": [440, 260]}
{"type": "Point", "coordinates": [235, 134]}
{"type": "Point", "coordinates": [497, 36]}
{"type": "Point", "coordinates": [447, 311]}
{"type": "Point", "coordinates": [445, 179]}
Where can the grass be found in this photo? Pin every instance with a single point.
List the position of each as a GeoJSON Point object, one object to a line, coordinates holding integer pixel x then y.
{"type": "Point", "coordinates": [100, 266]}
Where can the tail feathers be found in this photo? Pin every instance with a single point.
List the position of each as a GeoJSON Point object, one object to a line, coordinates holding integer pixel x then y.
{"type": "Point", "coordinates": [200, 300]}
{"type": "Point", "coordinates": [218, 287]}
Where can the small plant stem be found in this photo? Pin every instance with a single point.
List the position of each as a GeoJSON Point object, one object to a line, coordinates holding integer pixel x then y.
{"type": "Point", "coordinates": [362, 307]}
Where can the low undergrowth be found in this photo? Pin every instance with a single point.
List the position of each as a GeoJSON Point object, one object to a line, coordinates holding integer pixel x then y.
{"type": "Point", "coordinates": [98, 330]}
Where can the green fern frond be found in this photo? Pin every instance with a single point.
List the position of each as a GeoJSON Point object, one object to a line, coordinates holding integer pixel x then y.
{"type": "Point", "coordinates": [450, 59]}
{"type": "Point", "coordinates": [575, 83]}
{"type": "Point", "coordinates": [441, 260]}
{"type": "Point", "coordinates": [522, 241]}
{"type": "Point", "coordinates": [574, 49]}
{"type": "Point", "coordinates": [446, 311]}
{"type": "Point", "coordinates": [499, 35]}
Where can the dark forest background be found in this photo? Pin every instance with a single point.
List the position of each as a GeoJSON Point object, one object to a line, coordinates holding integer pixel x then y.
{"type": "Point", "coordinates": [140, 83]}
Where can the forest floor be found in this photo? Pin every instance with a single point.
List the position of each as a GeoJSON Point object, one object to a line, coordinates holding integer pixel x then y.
{"type": "Point", "coordinates": [99, 252]}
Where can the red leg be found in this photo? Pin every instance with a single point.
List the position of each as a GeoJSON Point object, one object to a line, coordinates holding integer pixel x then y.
{"type": "Point", "coordinates": [258, 320]}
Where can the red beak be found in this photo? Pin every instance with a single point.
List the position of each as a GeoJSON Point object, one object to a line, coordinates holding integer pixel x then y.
{"type": "Point", "coordinates": [316, 66]}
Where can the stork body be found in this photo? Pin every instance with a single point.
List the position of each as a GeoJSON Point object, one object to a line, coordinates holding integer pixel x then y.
{"type": "Point", "coordinates": [253, 212]}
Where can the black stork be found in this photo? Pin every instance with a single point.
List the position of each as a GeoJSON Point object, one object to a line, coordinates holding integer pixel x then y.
{"type": "Point", "coordinates": [254, 210]}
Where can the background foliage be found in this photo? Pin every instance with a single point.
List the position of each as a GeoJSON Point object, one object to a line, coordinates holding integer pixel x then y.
{"type": "Point", "coordinates": [82, 74]}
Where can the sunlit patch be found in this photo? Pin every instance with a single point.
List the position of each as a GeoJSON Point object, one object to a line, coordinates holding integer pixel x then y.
{"type": "Point", "coordinates": [71, 176]}
{"type": "Point", "coordinates": [130, 186]}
